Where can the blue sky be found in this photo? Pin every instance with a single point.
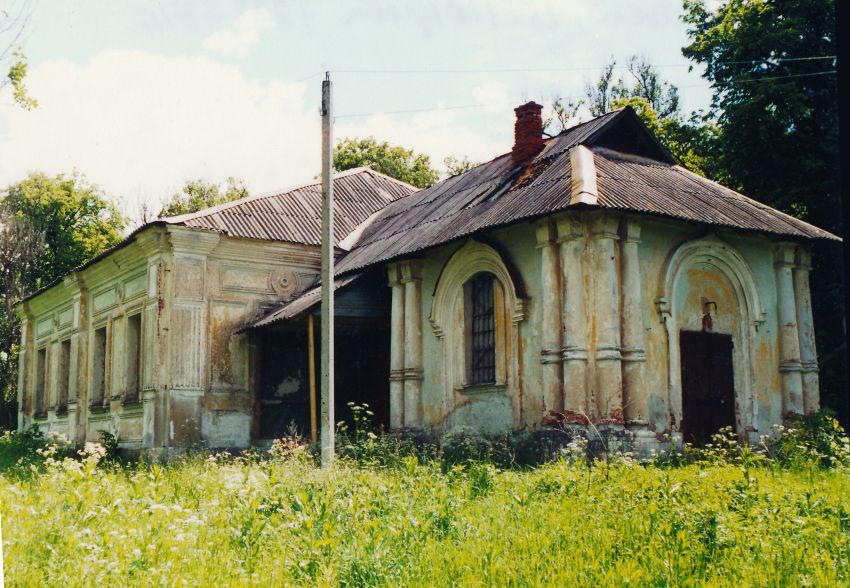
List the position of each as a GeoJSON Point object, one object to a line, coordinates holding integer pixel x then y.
{"type": "Point", "coordinates": [141, 96]}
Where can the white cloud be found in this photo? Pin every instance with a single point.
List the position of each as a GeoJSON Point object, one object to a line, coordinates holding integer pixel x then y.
{"type": "Point", "coordinates": [438, 134]}
{"type": "Point", "coordinates": [492, 97]}
{"type": "Point", "coordinates": [244, 36]}
{"type": "Point", "coordinates": [563, 10]}
{"type": "Point", "coordinates": [139, 124]}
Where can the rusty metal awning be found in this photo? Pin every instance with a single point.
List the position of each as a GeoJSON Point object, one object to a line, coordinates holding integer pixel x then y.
{"type": "Point", "coordinates": [297, 306]}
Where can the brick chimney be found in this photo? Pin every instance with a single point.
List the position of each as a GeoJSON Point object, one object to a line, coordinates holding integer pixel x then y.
{"type": "Point", "coordinates": [528, 132]}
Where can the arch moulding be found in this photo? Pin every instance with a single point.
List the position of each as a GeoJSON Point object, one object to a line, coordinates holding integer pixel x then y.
{"type": "Point", "coordinates": [711, 252]}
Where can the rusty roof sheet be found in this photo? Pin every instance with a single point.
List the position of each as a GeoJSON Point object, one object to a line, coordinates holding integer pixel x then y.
{"type": "Point", "coordinates": [629, 183]}
{"type": "Point", "coordinates": [306, 300]}
{"type": "Point", "coordinates": [498, 193]}
{"type": "Point", "coordinates": [295, 214]}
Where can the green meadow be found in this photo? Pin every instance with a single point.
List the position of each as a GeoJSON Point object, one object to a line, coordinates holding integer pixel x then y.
{"type": "Point", "coordinates": [390, 516]}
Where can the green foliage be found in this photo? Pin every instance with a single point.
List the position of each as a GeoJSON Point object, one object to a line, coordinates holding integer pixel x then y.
{"type": "Point", "coordinates": [19, 448]}
{"type": "Point", "coordinates": [77, 221]}
{"type": "Point", "coordinates": [456, 166]}
{"type": "Point", "coordinates": [777, 136]}
{"type": "Point", "coordinates": [691, 142]}
{"type": "Point", "coordinates": [48, 226]}
{"type": "Point", "coordinates": [17, 79]}
{"type": "Point", "coordinates": [816, 440]}
{"type": "Point", "coordinates": [392, 160]}
{"type": "Point", "coordinates": [223, 520]}
{"type": "Point", "coordinates": [196, 195]}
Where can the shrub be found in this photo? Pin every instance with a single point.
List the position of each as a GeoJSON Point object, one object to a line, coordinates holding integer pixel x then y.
{"type": "Point", "coordinates": [813, 440]}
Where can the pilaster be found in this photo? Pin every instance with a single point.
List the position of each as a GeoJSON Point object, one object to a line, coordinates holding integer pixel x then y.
{"type": "Point", "coordinates": [790, 366]}
{"type": "Point", "coordinates": [805, 325]}
{"type": "Point", "coordinates": [411, 278]}
{"type": "Point", "coordinates": [550, 316]}
{"type": "Point", "coordinates": [396, 347]}
{"type": "Point", "coordinates": [636, 397]}
{"type": "Point", "coordinates": [571, 238]}
{"type": "Point", "coordinates": [608, 388]}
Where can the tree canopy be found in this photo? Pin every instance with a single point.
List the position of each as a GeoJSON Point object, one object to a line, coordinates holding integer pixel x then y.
{"type": "Point", "coordinates": [771, 66]}
{"type": "Point", "coordinates": [197, 194]}
{"type": "Point", "coordinates": [75, 219]}
{"type": "Point", "coordinates": [392, 160]}
{"type": "Point", "coordinates": [48, 226]}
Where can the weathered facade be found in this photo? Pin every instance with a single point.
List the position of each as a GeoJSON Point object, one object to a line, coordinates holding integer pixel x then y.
{"type": "Point", "coordinates": [619, 290]}
{"type": "Point", "coordinates": [140, 342]}
{"type": "Point", "coordinates": [585, 279]}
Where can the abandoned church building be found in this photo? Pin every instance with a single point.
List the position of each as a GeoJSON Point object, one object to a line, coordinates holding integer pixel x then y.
{"type": "Point", "coordinates": [585, 274]}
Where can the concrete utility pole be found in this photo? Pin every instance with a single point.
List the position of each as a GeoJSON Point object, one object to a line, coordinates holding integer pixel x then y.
{"type": "Point", "coordinates": [328, 423]}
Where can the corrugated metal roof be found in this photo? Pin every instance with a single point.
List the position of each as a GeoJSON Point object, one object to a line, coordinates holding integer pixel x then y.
{"type": "Point", "coordinates": [296, 306]}
{"type": "Point", "coordinates": [295, 215]}
{"type": "Point", "coordinates": [497, 193]}
{"type": "Point", "coordinates": [628, 183]}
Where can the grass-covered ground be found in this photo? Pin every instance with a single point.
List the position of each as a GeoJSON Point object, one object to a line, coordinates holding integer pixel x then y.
{"type": "Point", "coordinates": [728, 519]}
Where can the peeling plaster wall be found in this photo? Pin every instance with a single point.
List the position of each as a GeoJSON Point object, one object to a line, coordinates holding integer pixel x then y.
{"type": "Point", "coordinates": [192, 289]}
{"type": "Point", "coordinates": [680, 268]}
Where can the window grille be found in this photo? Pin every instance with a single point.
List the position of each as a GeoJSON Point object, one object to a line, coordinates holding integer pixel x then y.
{"type": "Point", "coordinates": [482, 333]}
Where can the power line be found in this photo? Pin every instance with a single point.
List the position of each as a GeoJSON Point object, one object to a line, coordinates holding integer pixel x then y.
{"type": "Point", "coordinates": [396, 71]}
{"type": "Point", "coordinates": [802, 75]}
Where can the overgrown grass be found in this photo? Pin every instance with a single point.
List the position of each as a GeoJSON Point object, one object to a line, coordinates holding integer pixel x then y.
{"type": "Point", "coordinates": [727, 517]}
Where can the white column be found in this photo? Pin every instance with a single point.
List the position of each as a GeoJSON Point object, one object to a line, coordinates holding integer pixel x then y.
{"type": "Point", "coordinates": [790, 366]}
{"type": "Point", "coordinates": [550, 317]}
{"type": "Point", "coordinates": [805, 324]}
{"type": "Point", "coordinates": [608, 388]}
{"type": "Point", "coordinates": [636, 397]}
{"type": "Point", "coordinates": [396, 348]}
{"type": "Point", "coordinates": [573, 313]}
{"type": "Point", "coordinates": [411, 277]}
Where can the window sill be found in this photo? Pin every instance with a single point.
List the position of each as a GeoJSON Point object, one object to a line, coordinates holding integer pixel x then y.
{"type": "Point", "coordinates": [98, 409]}
{"type": "Point", "coordinates": [40, 416]}
{"type": "Point", "coordinates": [481, 389]}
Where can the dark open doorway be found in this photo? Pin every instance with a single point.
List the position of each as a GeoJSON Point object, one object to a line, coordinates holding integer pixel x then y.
{"type": "Point", "coordinates": [362, 362]}
{"type": "Point", "coordinates": [283, 399]}
{"type": "Point", "coordinates": [708, 389]}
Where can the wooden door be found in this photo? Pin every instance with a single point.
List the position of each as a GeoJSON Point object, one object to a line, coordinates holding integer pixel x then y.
{"type": "Point", "coordinates": [708, 389]}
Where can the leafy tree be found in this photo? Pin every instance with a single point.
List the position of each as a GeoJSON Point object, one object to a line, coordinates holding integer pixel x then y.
{"type": "Point", "coordinates": [456, 166]}
{"type": "Point", "coordinates": [392, 160]}
{"type": "Point", "coordinates": [13, 20]}
{"type": "Point", "coordinates": [198, 194]}
{"type": "Point", "coordinates": [48, 226]}
{"type": "Point", "coordinates": [77, 221]}
{"type": "Point", "coordinates": [691, 141]}
{"type": "Point", "coordinates": [769, 64]}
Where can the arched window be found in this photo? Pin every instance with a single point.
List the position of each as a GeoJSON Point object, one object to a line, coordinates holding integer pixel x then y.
{"type": "Point", "coordinates": [480, 323]}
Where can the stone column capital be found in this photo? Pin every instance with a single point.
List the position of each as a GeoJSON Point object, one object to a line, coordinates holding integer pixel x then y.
{"type": "Point", "coordinates": [604, 225]}
{"type": "Point", "coordinates": [410, 270]}
{"type": "Point", "coordinates": [545, 231]}
{"type": "Point", "coordinates": [569, 229]}
{"type": "Point", "coordinates": [630, 230]}
{"type": "Point", "coordinates": [784, 254]}
{"type": "Point", "coordinates": [804, 258]}
{"type": "Point", "coordinates": [393, 274]}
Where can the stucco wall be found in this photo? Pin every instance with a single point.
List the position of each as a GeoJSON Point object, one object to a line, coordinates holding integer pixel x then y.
{"type": "Point", "coordinates": [681, 270]}
{"type": "Point", "coordinates": [192, 289]}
